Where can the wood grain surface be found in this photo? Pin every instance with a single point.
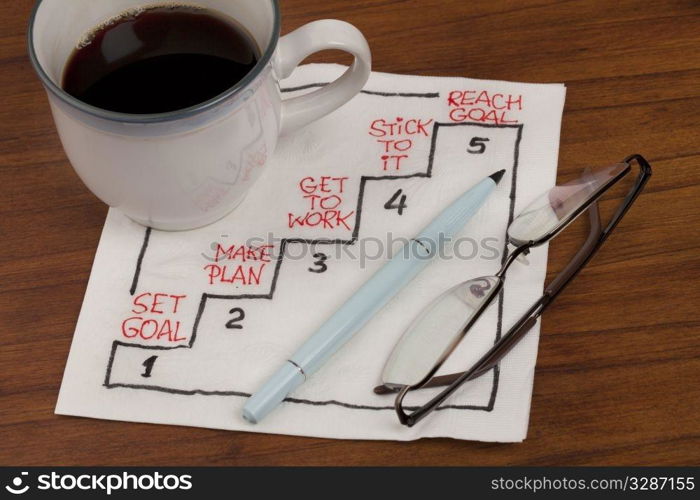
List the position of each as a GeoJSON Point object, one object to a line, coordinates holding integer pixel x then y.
{"type": "Point", "coordinates": [618, 373]}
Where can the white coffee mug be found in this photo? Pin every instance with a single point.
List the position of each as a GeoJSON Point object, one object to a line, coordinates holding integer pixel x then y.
{"type": "Point", "coordinates": [188, 168]}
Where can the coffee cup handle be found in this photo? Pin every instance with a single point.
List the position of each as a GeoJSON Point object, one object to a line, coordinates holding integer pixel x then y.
{"type": "Point", "coordinates": [314, 37]}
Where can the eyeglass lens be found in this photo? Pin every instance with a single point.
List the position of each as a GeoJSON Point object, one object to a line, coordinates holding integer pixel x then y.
{"type": "Point", "coordinates": [436, 330]}
{"type": "Point", "coordinates": [555, 208]}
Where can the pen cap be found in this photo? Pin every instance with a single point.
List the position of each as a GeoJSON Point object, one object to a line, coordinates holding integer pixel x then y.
{"type": "Point", "coordinates": [269, 396]}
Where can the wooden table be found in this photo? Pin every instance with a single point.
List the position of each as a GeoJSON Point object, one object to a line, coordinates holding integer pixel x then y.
{"type": "Point", "coordinates": [618, 374]}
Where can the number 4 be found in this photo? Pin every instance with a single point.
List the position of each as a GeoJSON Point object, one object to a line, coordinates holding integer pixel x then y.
{"type": "Point", "coordinates": [390, 205]}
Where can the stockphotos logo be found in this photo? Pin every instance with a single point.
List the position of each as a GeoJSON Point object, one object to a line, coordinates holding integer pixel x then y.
{"type": "Point", "coordinates": [105, 483]}
{"type": "Point", "coordinates": [17, 486]}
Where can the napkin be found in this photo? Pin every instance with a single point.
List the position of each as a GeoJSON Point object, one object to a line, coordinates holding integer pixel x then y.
{"type": "Point", "coordinates": [181, 327]}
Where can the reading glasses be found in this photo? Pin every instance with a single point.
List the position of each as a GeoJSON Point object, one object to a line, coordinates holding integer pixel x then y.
{"type": "Point", "coordinates": [437, 331]}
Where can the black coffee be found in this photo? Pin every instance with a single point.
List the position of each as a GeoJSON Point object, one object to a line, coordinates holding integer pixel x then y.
{"type": "Point", "coordinates": [159, 60]}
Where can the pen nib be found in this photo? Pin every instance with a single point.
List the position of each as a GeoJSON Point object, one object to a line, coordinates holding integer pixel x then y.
{"type": "Point", "coordinates": [497, 176]}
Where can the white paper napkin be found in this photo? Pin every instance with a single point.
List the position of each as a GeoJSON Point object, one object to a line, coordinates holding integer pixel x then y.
{"type": "Point", "coordinates": [178, 328]}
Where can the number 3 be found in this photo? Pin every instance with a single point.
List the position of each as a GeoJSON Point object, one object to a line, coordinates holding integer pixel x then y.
{"type": "Point", "coordinates": [321, 266]}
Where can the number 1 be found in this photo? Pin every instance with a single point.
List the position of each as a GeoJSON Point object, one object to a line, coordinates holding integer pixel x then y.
{"type": "Point", "coordinates": [148, 364]}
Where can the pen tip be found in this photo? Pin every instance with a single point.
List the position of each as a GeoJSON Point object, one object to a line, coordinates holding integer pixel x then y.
{"type": "Point", "coordinates": [498, 176]}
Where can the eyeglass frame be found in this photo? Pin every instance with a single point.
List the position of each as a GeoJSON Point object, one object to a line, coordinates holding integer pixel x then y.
{"type": "Point", "coordinates": [502, 347]}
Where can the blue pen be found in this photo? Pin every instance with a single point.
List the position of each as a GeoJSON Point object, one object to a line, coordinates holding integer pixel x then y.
{"type": "Point", "coordinates": [369, 299]}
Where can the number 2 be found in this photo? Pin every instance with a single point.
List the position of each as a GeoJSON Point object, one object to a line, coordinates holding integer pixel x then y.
{"type": "Point", "coordinates": [233, 323]}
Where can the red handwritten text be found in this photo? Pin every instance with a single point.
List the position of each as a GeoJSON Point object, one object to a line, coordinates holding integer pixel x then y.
{"type": "Point", "coordinates": [248, 264]}
{"type": "Point", "coordinates": [482, 106]}
{"type": "Point", "coordinates": [396, 138]}
{"type": "Point", "coordinates": [155, 318]}
{"type": "Point", "coordinates": [324, 197]}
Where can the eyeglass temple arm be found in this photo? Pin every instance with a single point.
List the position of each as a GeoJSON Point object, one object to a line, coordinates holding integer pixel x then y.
{"type": "Point", "coordinates": [597, 236]}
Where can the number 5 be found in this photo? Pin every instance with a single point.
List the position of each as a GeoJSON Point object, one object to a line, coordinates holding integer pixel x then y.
{"type": "Point", "coordinates": [477, 145]}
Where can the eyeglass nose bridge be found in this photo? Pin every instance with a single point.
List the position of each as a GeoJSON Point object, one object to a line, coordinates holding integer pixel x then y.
{"type": "Point", "coordinates": [519, 253]}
